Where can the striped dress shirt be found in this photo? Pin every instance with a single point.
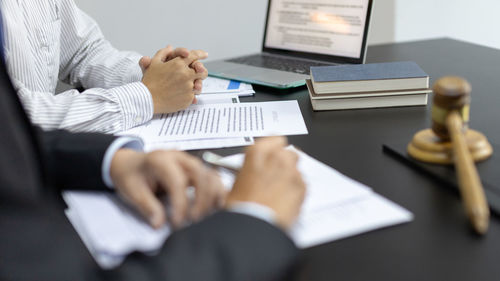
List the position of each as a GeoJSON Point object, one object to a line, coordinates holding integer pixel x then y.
{"type": "Point", "coordinates": [51, 40]}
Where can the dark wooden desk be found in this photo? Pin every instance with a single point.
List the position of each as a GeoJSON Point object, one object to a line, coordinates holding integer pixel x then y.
{"type": "Point", "coordinates": [437, 245]}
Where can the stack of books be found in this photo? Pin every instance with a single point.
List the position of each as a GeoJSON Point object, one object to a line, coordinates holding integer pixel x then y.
{"type": "Point", "coordinates": [368, 86]}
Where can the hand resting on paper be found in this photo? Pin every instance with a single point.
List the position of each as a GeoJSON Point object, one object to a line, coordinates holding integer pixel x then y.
{"type": "Point", "coordinates": [140, 177]}
{"type": "Point", "coordinates": [269, 177]}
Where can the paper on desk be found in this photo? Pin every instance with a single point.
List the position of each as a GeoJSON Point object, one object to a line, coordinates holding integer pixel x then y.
{"type": "Point", "coordinates": [349, 218]}
{"type": "Point", "coordinates": [213, 85]}
{"type": "Point", "coordinates": [195, 143]}
{"type": "Point", "coordinates": [112, 226]}
{"type": "Point", "coordinates": [218, 99]}
{"type": "Point", "coordinates": [325, 186]}
{"type": "Point", "coordinates": [109, 228]}
{"type": "Point", "coordinates": [227, 120]}
{"type": "Point", "coordinates": [198, 144]}
{"type": "Point", "coordinates": [104, 260]}
{"type": "Point", "coordinates": [335, 207]}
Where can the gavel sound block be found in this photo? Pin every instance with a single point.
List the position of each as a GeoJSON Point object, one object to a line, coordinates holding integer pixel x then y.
{"type": "Point", "coordinates": [450, 141]}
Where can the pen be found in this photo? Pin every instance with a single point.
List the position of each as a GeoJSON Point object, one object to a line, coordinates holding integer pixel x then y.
{"type": "Point", "coordinates": [216, 161]}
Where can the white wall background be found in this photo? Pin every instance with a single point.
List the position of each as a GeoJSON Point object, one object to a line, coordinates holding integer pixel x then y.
{"type": "Point", "coordinates": [222, 27]}
{"type": "Point", "coordinates": [233, 27]}
{"type": "Point", "coordinates": [476, 21]}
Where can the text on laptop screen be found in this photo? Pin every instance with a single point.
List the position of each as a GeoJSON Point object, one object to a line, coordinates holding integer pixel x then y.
{"type": "Point", "coordinates": [334, 27]}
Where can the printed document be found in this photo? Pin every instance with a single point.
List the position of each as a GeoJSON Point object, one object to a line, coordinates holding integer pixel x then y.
{"type": "Point", "coordinates": [193, 144]}
{"type": "Point", "coordinates": [335, 207]}
{"type": "Point", "coordinates": [203, 121]}
{"type": "Point", "coordinates": [185, 145]}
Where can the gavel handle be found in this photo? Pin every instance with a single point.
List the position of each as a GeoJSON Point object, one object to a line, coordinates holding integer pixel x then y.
{"type": "Point", "coordinates": [470, 185]}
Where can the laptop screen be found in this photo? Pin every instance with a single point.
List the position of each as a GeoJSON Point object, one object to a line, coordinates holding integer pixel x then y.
{"type": "Point", "coordinates": [327, 27]}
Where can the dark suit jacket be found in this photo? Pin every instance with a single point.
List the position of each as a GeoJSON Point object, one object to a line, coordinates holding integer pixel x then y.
{"type": "Point", "coordinates": [38, 243]}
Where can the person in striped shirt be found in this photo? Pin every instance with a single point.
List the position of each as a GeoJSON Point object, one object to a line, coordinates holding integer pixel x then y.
{"type": "Point", "coordinates": [53, 40]}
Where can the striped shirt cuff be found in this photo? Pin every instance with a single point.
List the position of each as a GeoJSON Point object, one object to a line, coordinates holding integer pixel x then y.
{"type": "Point", "coordinates": [119, 143]}
{"type": "Point", "coordinates": [135, 76]}
{"type": "Point", "coordinates": [136, 104]}
{"type": "Point", "coordinates": [134, 73]}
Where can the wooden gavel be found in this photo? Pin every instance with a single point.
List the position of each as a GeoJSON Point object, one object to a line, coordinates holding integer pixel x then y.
{"type": "Point", "coordinates": [450, 141]}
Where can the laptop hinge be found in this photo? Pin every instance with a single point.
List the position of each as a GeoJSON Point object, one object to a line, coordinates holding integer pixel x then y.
{"type": "Point", "coordinates": [295, 57]}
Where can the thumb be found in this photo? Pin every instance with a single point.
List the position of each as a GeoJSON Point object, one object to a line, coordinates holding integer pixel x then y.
{"type": "Point", "coordinates": [144, 63]}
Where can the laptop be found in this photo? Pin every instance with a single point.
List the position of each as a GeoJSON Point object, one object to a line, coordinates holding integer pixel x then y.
{"type": "Point", "coordinates": [299, 35]}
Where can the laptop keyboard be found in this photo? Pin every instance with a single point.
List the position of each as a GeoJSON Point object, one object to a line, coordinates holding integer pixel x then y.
{"type": "Point", "coordinates": [278, 63]}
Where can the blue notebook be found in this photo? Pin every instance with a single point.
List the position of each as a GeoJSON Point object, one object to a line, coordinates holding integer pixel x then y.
{"type": "Point", "coordinates": [369, 77]}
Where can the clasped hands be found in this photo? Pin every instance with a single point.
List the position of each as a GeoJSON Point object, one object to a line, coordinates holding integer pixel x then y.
{"type": "Point", "coordinates": [269, 177]}
{"type": "Point", "coordinates": [173, 77]}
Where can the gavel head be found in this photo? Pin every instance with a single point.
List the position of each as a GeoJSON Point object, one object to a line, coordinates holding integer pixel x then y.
{"type": "Point", "coordinates": [450, 93]}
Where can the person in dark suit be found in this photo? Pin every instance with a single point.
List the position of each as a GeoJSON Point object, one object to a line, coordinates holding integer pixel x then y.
{"type": "Point", "coordinates": [38, 243]}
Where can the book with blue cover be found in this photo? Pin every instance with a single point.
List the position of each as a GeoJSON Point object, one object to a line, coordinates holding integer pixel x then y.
{"type": "Point", "coordinates": [373, 77]}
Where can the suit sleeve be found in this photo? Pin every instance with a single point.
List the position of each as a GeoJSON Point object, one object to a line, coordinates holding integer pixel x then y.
{"type": "Point", "coordinates": [225, 246]}
{"type": "Point", "coordinates": [73, 160]}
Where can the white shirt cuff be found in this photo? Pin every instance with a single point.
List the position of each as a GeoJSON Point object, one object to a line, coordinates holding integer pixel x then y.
{"type": "Point", "coordinates": [253, 209]}
{"type": "Point", "coordinates": [135, 72]}
{"type": "Point", "coordinates": [122, 142]}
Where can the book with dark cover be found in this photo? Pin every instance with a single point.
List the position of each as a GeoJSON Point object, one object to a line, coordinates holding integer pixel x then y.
{"type": "Point", "coordinates": [368, 77]}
